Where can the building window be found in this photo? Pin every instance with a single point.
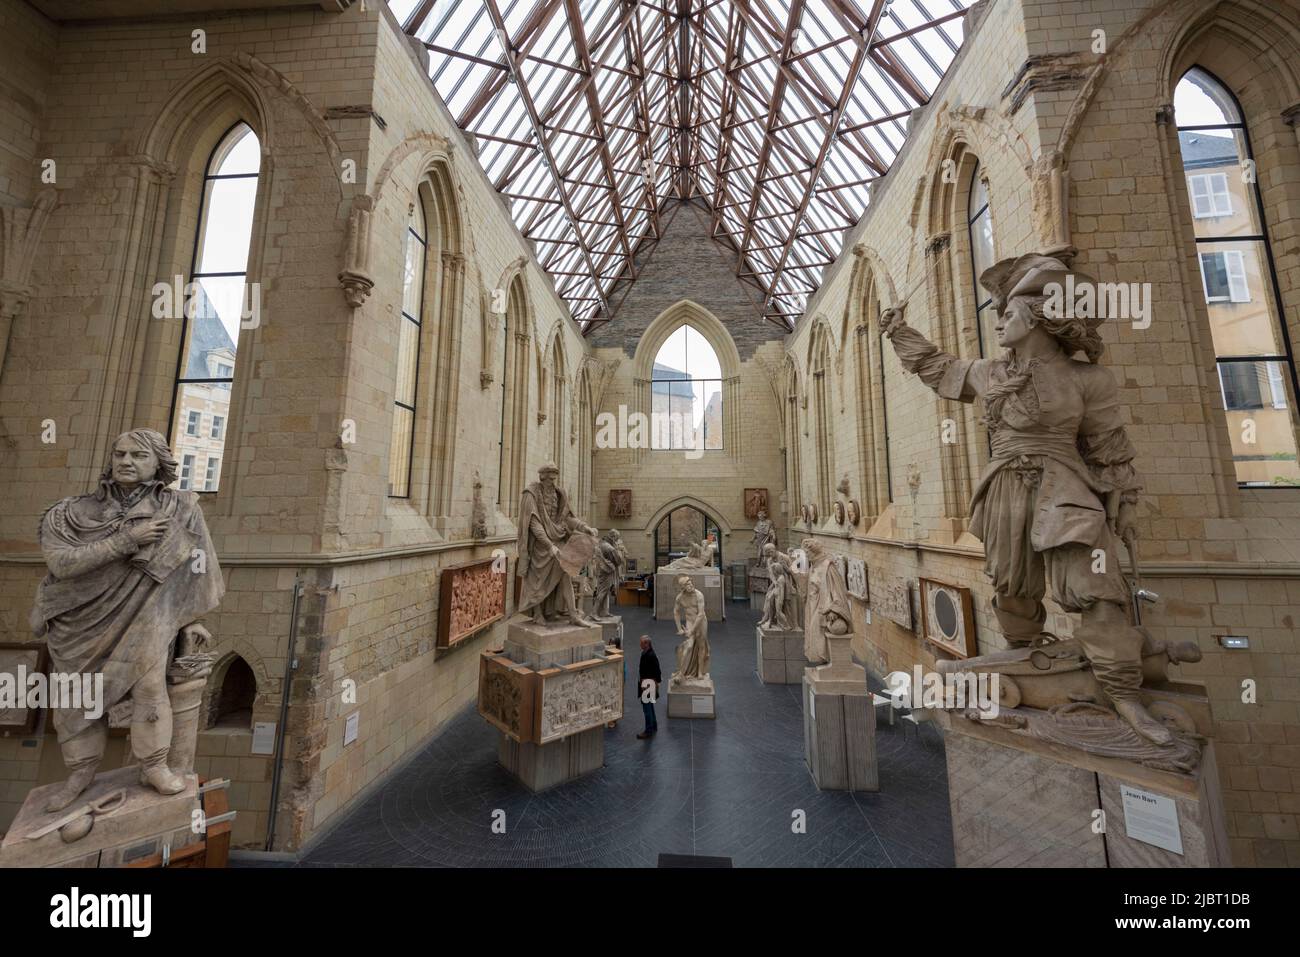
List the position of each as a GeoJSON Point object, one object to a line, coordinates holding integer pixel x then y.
{"type": "Point", "coordinates": [1253, 352]}
{"type": "Point", "coordinates": [218, 427]}
{"type": "Point", "coordinates": [686, 394]}
{"type": "Point", "coordinates": [211, 474]}
{"type": "Point", "coordinates": [979, 221]}
{"type": "Point", "coordinates": [1210, 196]}
{"type": "Point", "coordinates": [221, 302]}
{"type": "Point", "coordinates": [186, 479]}
{"type": "Point", "coordinates": [408, 353]}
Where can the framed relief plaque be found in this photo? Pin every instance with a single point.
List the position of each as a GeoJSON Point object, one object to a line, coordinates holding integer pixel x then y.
{"type": "Point", "coordinates": [755, 502]}
{"type": "Point", "coordinates": [892, 600]}
{"type": "Point", "coordinates": [471, 597]}
{"type": "Point", "coordinates": [856, 578]}
{"type": "Point", "coordinates": [620, 503]}
{"type": "Point", "coordinates": [948, 617]}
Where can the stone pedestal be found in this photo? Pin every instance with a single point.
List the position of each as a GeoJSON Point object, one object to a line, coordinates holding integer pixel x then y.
{"type": "Point", "coordinates": [550, 693]}
{"type": "Point", "coordinates": [542, 766]}
{"type": "Point", "coordinates": [780, 659]}
{"type": "Point", "coordinates": [839, 723]}
{"type": "Point", "coordinates": [691, 698]}
{"type": "Point", "coordinates": [1023, 802]}
{"type": "Point", "coordinates": [612, 630]}
{"type": "Point", "coordinates": [707, 581]}
{"type": "Point", "coordinates": [137, 829]}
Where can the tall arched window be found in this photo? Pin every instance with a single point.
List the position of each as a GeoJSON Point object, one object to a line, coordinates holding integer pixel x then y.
{"type": "Point", "coordinates": [416, 241]}
{"type": "Point", "coordinates": [212, 316]}
{"type": "Point", "coordinates": [1251, 346]}
{"type": "Point", "coordinates": [681, 528]}
{"type": "Point", "coordinates": [980, 223]}
{"type": "Point", "coordinates": [686, 393]}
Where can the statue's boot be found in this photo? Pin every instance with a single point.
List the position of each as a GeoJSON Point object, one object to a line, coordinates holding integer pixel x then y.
{"type": "Point", "coordinates": [1021, 619]}
{"type": "Point", "coordinates": [77, 782]}
{"type": "Point", "coordinates": [1114, 650]}
{"type": "Point", "coordinates": [82, 752]}
{"type": "Point", "coordinates": [162, 779]}
{"type": "Point", "coordinates": [151, 736]}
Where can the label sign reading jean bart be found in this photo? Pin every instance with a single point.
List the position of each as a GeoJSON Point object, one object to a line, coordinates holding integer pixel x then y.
{"type": "Point", "coordinates": [1151, 818]}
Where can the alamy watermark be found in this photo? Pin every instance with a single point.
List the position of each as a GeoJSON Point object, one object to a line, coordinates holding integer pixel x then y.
{"type": "Point", "coordinates": [969, 690]}
{"type": "Point", "coordinates": [1085, 299]}
{"type": "Point", "coordinates": [73, 691]}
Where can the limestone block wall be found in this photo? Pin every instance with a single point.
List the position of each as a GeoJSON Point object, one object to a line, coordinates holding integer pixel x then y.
{"type": "Point", "coordinates": [1076, 149]}
{"type": "Point", "coordinates": [130, 114]}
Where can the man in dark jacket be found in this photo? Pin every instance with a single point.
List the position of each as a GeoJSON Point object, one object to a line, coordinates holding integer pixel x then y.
{"type": "Point", "coordinates": [649, 693]}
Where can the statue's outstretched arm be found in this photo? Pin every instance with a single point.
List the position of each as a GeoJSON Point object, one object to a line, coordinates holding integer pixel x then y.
{"type": "Point", "coordinates": [942, 372]}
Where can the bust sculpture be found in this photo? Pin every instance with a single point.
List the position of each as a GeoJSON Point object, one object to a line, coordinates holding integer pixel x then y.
{"type": "Point", "coordinates": [553, 547]}
{"type": "Point", "coordinates": [132, 571]}
{"type": "Point", "coordinates": [826, 607]}
{"type": "Point", "coordinates": [781, 601]}
{"type": "Point", "coordinates": [693, 624]}
{"type": "Point", "coordinates": [1060, 487]}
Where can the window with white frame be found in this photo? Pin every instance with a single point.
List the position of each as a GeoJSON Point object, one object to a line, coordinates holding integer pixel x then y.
{"type": "Point", "coordinates": [187, 471]}
{"type": "Point", "coordinates": [1223, 273]}
{"type": "Point", "coordinates": [1210, 196]}
{"type": "Point", "coordinates": [211, 473]}
{"type": "Point", "coordinates": [218, 426]}
{"type": "Point", "coordinates": [192, 420]}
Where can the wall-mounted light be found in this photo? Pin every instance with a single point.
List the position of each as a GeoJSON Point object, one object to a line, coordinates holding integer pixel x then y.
{"type": "Point", "coordinates": [1233, 641]}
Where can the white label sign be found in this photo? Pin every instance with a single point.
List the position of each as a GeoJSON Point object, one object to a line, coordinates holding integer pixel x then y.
{"type": "Point", "coordinates": [812, 705]}
{"type": "Point", "coordinates": [712, 581]}
{"type": "Point", "coordinates": [350, 727]}
{"type": "Point", "coordinates": [263, 738]}
{"type": "Point", "coordinates": [701, 704]}
{"type": "Point", "coordinates": [1151, 819]}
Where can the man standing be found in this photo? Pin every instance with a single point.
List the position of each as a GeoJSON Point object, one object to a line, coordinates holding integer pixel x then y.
{"type": "Point", "coordinates": [650, 672]}
{"type": "Point", "coordinates": [131, 568]}
{"type": "Point", "coordinates": [553, 547]}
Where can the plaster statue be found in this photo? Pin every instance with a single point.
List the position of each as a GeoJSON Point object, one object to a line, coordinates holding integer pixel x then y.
{"type": "Point", "coordinates": [693, 624]}
{"type": "Point", "coordinates": [780, 604]}
{"type": "Point", "coordinates": [132, 571]}
{"type": "Point", "coordinates": [610, 563]}
{"type": "Point", "coordinates": [764, 534]}
{"type": "Point", "coordinates": [553, 547]}
{"type": "Point", "coordinates": [1060, 487]}
{"type": "Point", "coordinates": [826, 606]}
{"type": "Point", "coordinates": [699, 556]}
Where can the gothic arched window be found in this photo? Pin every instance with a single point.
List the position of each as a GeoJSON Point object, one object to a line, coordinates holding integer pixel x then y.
{"type": "Point", "coordinates": [1257, 374]}
{"type": "Point", "coordinates": [219, 305]}
{"type": "Point", "coordinates": [415, 241]}
{"type": "Point", "coordinates": [686, 393]}
{"type": "Point", "coordinates": [980, 223]}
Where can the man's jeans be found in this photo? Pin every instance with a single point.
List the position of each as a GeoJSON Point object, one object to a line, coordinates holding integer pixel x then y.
{"type": "Point", "coordinates": [650, 723]}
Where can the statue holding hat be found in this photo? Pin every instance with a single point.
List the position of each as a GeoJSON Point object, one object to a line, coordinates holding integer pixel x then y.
{"type": "Point", "coordinates": [554, 546]}
{"type": "Point", "coordinates": [1060, 488]}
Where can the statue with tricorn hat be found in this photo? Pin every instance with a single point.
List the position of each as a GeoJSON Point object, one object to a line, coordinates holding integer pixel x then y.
{"type": "Point", "coordinates": [1058, 494]}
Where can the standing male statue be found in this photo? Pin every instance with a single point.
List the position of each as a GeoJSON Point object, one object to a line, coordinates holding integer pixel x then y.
{"type": "Point", "coordinates": [764, 534]}
{"type": "Point", "coordinates": [553, 547]}
{"type": "Point", "coordinates": [1060, 488]}
{"type": "Point", "coordinates": [693, 625]}
{"type": "Point", "coordinates": [131, 568]}
{"type": "Point", "coordinates": [610, 562]}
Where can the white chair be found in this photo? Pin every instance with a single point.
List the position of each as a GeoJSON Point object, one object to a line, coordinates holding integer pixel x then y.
{"type": "Point", "coordinates": [897, 686]}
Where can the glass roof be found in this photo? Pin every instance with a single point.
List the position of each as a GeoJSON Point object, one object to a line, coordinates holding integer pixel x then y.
{"type": "Point", "coordinates": [592, 115]}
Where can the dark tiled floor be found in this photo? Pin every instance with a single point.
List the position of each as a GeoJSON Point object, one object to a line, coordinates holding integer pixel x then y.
{"type": "Point", "coordinates": [725, 788]}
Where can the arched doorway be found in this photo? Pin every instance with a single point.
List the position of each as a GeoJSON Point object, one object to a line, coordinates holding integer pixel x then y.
{"type": "Point", "coordinates": [680, 529]}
